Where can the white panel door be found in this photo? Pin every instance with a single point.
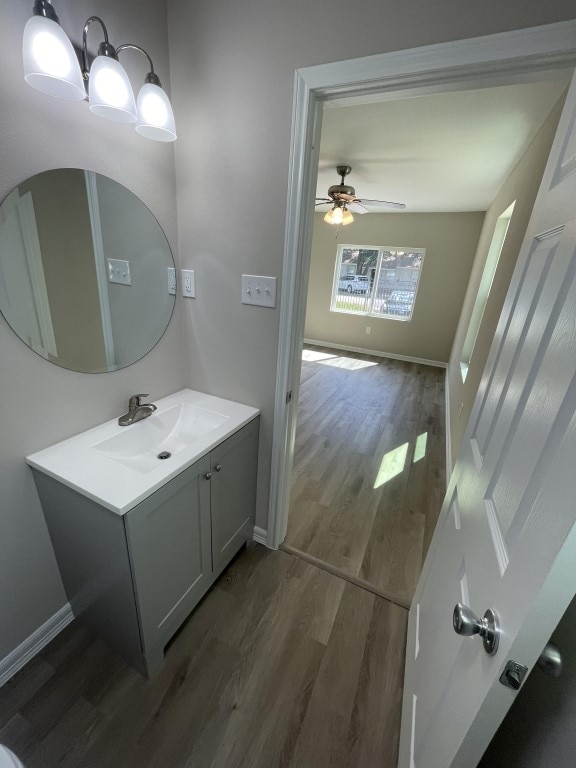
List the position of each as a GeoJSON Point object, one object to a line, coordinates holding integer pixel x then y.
{"type": "Point", "coordinates": [506, 537]}
{"type": "Point", "coordinates": [23, 292]}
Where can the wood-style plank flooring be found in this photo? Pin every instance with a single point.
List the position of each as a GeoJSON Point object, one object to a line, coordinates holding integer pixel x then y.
{"type": "Point", "coordinates": [369, 467]}
{"type": "Point", "coordinates": [281, 665]}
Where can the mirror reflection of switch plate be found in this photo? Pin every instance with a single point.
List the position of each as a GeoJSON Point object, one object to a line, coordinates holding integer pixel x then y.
{"type": "Point", "coordinates": [119, 271]}
{"type": "Point", "coordinates": [171, 281]}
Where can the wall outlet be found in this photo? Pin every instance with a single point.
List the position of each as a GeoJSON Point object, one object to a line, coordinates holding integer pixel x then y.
{"type": "Point", "coordinates": [259, 290]}
{"type": "Point", "coordinates": [119, 271]}
{"type": "Point", "coordinates": [188, 283]}
{"type": "Point", "coordinates": [171, 281]}
{"type": "Point", "coordinates": [368, 330]}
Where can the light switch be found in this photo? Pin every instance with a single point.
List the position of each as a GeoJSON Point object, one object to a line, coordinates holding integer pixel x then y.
{"type": "Point", "coordinates": [259, 290]}
{"type": "Point", "coordinates": [188, 283]}
{"type": "Point", "coordinates": [119, 271]}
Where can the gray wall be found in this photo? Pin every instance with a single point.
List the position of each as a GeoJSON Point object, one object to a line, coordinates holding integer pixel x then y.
{"type": "Point", "coordinates": [39, 402]}
{"type": "Point", "coordinates": [450, 240]}
{"type": "Point", "coordinates": [232, 67]}
{"type": "Point", "coordinates": [521, 186]}
{"type": "Point", "coordinates": [232, 76]}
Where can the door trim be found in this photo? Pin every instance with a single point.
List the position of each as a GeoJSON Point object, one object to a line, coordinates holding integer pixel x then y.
{"type": "Point", "coordinates": [509, 56]}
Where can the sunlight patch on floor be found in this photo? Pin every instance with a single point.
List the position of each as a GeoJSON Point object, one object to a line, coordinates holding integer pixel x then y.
{"type": "Point", "coordinates": [336, 361]}
{"type": "Point", "coordinates": [420, 447]}
{"type": "Point", "coordinates": [349, 363]}
{"type": "Point", "coordinates": [313, 356]}
{"type": "Point", "coordinates": [391, 465]}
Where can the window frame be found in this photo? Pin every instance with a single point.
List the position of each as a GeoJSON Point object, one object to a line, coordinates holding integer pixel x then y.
{"type": "Point", "coordinates": [381, 249]}
{"type": "Point", "coordinates": [497, 243]}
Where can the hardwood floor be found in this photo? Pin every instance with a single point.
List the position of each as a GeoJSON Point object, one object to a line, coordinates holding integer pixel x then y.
{"type": "Point", "coordinates": [282, 664]}
{"type": "Point", "coordinates": [369, 467]}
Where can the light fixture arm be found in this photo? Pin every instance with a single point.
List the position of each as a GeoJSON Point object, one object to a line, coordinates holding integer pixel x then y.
{"type": "Point", "coordinates": [151, 77]}
{"type": "Point", "coordinates": [44, 8]}
{"type": "Point", "coordinates": [104, 49]}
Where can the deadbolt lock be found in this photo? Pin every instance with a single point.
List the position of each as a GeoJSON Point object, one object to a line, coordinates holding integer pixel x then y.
{"type": "Point", "coordinates": [513, 675]}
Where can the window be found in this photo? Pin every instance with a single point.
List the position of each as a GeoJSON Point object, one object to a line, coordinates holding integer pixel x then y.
{"type": "Point", "coordinates": [496, 245]}
{"type": "Point", "coordinates": [378, 281]}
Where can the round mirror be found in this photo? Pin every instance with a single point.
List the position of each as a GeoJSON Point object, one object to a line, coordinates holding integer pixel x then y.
{"type": "Point", "coordinates": [87, 278]}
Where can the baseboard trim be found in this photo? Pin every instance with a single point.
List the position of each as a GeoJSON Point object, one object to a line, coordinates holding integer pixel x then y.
{"type": "Point", "coordinates": [33, 644]}
{"type": "Point", "coordinates": [260, 535]}
{"type": "Point", "coordinates": [376, 353]}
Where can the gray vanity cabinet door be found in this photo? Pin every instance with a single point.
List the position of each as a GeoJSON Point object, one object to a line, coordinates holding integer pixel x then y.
{"type": "Point", "coordinates": [234, 464]}
{"type": "Point", "coordinates": [169, 540]}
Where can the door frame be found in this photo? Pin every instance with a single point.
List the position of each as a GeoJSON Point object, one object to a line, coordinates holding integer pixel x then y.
{"type": "Point", "coordinates": [471, 63]}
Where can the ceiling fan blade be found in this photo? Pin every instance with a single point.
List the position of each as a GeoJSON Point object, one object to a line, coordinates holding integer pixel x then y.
{"type": "Point", "coordinates": [384, 202]}
{"type": "Point", "coordinates": [357, 208]}
{"type": "Point", "coordinates": [323, 200]}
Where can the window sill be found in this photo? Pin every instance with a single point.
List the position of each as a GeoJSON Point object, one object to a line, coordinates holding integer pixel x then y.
{"type": "Point", "coordinates": [376, 315]}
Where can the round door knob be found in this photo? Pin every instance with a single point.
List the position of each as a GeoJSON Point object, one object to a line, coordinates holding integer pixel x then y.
{"type": "Point", "coordinates": [208, 475]}
{"type": "Point", "coordinates": [467, 624]}
{"type": "Point", "coordinates": [218, 467]}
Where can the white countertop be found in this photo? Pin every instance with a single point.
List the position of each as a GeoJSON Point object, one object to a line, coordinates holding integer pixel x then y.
{"type": "Point", "coordinates": [80, 463]}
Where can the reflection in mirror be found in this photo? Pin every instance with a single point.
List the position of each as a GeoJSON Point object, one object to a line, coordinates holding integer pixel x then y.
{"type": "Point", "coordinates": [87, 278]}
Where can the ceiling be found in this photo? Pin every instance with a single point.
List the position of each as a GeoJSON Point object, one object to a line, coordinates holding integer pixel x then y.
{"type": "Point", "coordinates": [440, 152]}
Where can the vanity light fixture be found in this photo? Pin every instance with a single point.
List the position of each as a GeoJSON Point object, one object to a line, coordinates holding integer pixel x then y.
{"type": "Point", "coordinates": [51, 66]}
{"type": "Point", "coordinates": [339, 214]}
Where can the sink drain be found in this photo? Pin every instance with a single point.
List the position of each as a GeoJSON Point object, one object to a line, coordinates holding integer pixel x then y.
{"type": "Point", "coordinates": [164, 455]}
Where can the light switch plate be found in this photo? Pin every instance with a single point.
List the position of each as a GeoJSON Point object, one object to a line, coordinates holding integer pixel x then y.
{"type": "Point", "coordinates": [171, 281]}
{"type": "Point", "coordinates": [188, 283]}
{"type": "Point", "coordinates": [119, 271]}
{"type": "Point", "coordinates": [259, 290]}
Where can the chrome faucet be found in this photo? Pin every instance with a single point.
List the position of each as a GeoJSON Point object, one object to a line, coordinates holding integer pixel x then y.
{"type": "Point", "coordinates": [136, 411]}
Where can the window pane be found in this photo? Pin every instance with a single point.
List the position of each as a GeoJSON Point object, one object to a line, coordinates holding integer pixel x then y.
{"type": "Point", "coordinates": [397, 283]}
{"type": "Point", "coordinates": [354, 278]}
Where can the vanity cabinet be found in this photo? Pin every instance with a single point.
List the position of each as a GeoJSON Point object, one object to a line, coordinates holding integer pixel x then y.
{"type": "Point", "coordinates": [135, 578]}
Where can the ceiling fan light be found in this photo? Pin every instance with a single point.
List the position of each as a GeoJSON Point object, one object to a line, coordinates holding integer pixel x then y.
{"type": "Point", "coordinates": [347, 217]}
{"type": "Point", "coordinates": [337, 215]}
{"type": "Point", "coordinates": [329, 216]}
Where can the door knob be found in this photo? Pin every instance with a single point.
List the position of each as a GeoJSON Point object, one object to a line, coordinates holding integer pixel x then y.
{"type": "Point", "coordinates": [550, 660]}
{"type": "Point", "coordinates": [208, 475]}
{"type": "Point", "coordinates": [218, 467]}
{"type": "Point", "coordinates": [466, 623]}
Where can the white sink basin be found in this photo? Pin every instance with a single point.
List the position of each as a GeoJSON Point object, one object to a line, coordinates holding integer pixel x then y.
{"type": "Point", "coordinates": [171, 431]}
{"type": "Point", "coordinates": [120, 466]}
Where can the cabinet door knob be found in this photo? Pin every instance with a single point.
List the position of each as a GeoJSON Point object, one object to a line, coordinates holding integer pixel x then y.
{"type": "Point", "coordinates": [218, 467]}
{"type": "Point", "coordinates": [208, 475]}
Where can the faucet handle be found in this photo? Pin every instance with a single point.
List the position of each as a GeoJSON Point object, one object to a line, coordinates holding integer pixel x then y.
{"type": "Point", "coordinates": [134, 401]}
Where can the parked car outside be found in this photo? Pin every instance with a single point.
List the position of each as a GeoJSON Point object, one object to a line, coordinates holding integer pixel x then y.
{"type": "Point", "coordinates": [399, 303]}
{"type": "Point", "coordinates": [353, 284]}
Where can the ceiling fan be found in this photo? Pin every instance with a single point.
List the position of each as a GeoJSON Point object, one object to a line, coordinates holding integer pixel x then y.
{"type": "Point", "coordinates": [343, 199]}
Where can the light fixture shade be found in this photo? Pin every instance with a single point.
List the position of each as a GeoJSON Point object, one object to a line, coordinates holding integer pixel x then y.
{"type": "Point", "coordinates": [109, 91]}
{"type": "Point", "coordinates": [155, 116]}
{"type": "Point", "coordinates": [347, 217]}
{"type": "Point", "coordinates": [50, 62]}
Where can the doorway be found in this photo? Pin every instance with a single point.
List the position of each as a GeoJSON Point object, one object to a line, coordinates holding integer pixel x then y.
{"type": "Point", "coordinates": [432, 69]}
{"type": "Point", "coordinates": [369, 468]}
